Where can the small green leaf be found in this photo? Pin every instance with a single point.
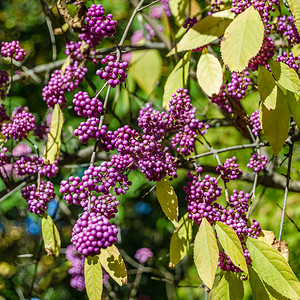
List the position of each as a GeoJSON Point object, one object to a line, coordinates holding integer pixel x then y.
{"type": "Point", "coordinates": [206, 253]}
{"type": "Point", "coordinates": [259, 291]}
{"type": "Point", "coordinates": [181, 239]}
{"type": "Point", "coordinates": [50, 236]}
{"type": "Point", "coordinates": [221, 292]}
{"type": "Point", "coordinates": [178, 8]}
{"type": "Point", "coordinates": [286, 76]}
{"type": "Point", "coordinates": [113, 263]}
{"type": "Point", "coordinates": [93, 277]}
{"type": "Point", "coordinates": [267, 88]}
{"type": "Point", "coordinates": [294, 107]}
{"type": "Point", "coordinates": [242, 39]}
{"type": "Point", "coordinates": [204, 32]}
{"type": "Point", "coordinates": [209, 74]}
{"type": "Point", "coordinates": [272, 268]}
{"type": "Point", "coordinates": [52, 148]}
{"type": "Point", "coordinates": [232, 245]}
{"type": "Point", "coordinates": [168, 200]}
{"type": "Point", "coordinates": [276, 122]}
{"type": "Point", "coordinates": [177, 79]}
{"type": "Point", "coordinates": [145, 67]}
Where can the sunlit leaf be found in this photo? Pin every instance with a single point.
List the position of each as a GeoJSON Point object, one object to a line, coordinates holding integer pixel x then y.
{"type": "Point", "coordinates": [113, 263]}
{"type": "Point", "coordinates": [259, 291]}
{"type": "Point", "coordinates": [232, 245]}
{"type": "Point", "coordinates": [295, 9]}
{"type": "Point", "coordinates": [206, 253]}
{"type": "Point", "coordinates": [180, 241]}
{"type": "Point", "coordinates": [294, 107]}
{"type": "Point", "coordinates": [178, 8]}
{"type": "Point", "coordinates": [93, 277]}
{"type": "Point", "coordinates": [273, 269]}
{"type": "Point", "coordinates": [242, 39]}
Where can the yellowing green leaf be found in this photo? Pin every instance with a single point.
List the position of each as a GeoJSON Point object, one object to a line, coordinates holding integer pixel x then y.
{"type": "Point", "coordinates": [180, 241]}
{"type": "Point", "coordinates": [52, 148]}
{"type": "Point", "coordinates": [295, 9]}
{"type": "Point", "coordinates": [232, 245]}
{"type": "Point", "coordinates": [178, 8]}
{"type": "Point", "coordinates": [259, 291]}
{"type": "Point", "coordinates": [286, 76]}
{"type": "Point", "coordinates": [275, 123]}
{"type": "Point", "coordinates": [93, 277]}
{"type": "Point", "coordinates": [145, 68]}
{"type": "Point", "coordinates": [206, 253]}
{"type": "Point", "coordinates": [113, 263]}
{"type": "Point", "coordinates": [204, 32]}
{"type": "Point", "coordinates": [168, 200]}
{"type": "Point", "coordinates": [50, 236]}
{"type": "Point", "coordinates": [177, 79]}
{"type": "Point", "coordinates": [209, 74]}
{"type": "Point", "coordinates": [66, 63]}
{"type": "Point", "coordinates": [294, 107]}
{"type": "Point", "coordinates": [273, 269]}
{"type": "Point", "coordinates": [242, 39]}
{"type": "Point", "coordinates": [221, 292]}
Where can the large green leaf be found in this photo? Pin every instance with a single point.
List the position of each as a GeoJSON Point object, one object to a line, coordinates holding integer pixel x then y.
{"type": "Point", "coordinates": [181, 239]}
{"type": "Point", "coordinates": [267, 88]}
{"type": "Point", "coordinates": [52, 148]}
{"type": "Point", "coordinates": [294, 107]}
{"type": "Point", "coordinates": [204, 32]}
{"type": "Point", "coordinates": [50, 236]}
{"type": "Point", "coordinates": [145, 67]}
{"type": "Point", "coordinates": [273, 269]}
{"type": "Point", "coordinates": [232, 245]}
{"type": "Point", "coordinates": [295, 9]}
{"type": "Point", "coordinates": [167, 199]}
{"type": "Point", "coordinates": [259, 291]}
{"type": "Point", "coordinates": [206, 253]}
{"type": "Point", "coordinates": [286, 76]}
{"type": "Point", "coordinates": [209, 73]}
{"type": "Point", "coordinates": [177, 79]}
{"type": "Point", "coordinates": [242, 39]}
{"type": "Point", "coordinates": [275, 123]}
{"type": "Point", "coordinates": [178, 8]}
{"type": "Point", "coordinates": [93, 277]}
{"type": "Point", "coordinates": [113, 263]}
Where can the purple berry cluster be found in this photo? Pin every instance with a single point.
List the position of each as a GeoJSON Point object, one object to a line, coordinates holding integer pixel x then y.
{"type": "Point", "coordinates": [37, 197]}
{"type": "Point", "coordinates": [114, 72]}
{"type": "Point", "coordinates": [289, 59]}
{"type": "Point", "coordinates": [286, 26]}
{"type": "Point", "coordinates": [229, 170]}
{"type": "Point", "coordinates": [189, 23]}
{"type": "Point", "coordinates": [62, 82]}
{"type": "Point", "coordinates": [4, 79]}
{"type": "Point", "coordinates": [255, 123]}
{"type": "Point", "coordinates": [151, 33]}
{"type": "Point", "coordinates": [216, 6]}
{"type": "Point", "coordinates": [86, 107]}
{"type": "Point", "coordinates": [12, 50]}
{"type": "Point", "coordinates": [3, 158]}
{"type": "Point", "coordinates": [3, 114]}
{"type": "Point", "coordinates": [93, 232]}
{"type": "Point", "coordinates": [238, 85]}
{"type": "Point", "coordinates": [221, 100]}
{"type": "Point", "coordinates": [227, 265]}
{"type": "Point", "coordinates": [257, 163]}
{"type": "Point", "coordinates": [156, 11]}
{"type": "Point", "coordinates": [41, 131]}
{"type": "Point", "coordinates": [143, 254]}
{"type": "Point", "coordinates": [21, 149]}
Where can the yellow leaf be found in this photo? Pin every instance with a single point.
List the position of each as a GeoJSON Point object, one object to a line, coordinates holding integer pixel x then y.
{"type": "Point", "coordinates": [93, 277]}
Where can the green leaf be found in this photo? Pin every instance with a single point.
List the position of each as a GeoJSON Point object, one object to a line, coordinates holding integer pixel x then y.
{"type": "Point", "coordinates": [204, 32]}
{"type": "Point", "coordinates": [145, 68]}
{"type": "Point", "coordinates": [52, 148]}
{"type": "Point", "coordinates": [113, 263]}
{"type": "Point", "coordinates": [93, 277]}
{"type": "Point", "coordinates": [286, 76]}
{"type": "Point", "coordinates": [177, 79]}
{"type": "Point", "coordinates": [295, 9]}
{"type": "Point", "coordinates": [221, 292]}
{"type": "Point", "coordinates": [209, 74]}
{"type": "Point", "coordinates": [294, 107]}
{"type": "Point", "coordinates": [232, 245]}
{"type": "Point", "coordinates": [276, 123]}
{"type": "Point", "coordinates": [178, 8]}
{"type": "Point", "coordinates": [181, 239]}
{"type": "Point", "coordinates": [273, 269]}
{"type": "Point", "coordinates": [259, 291]}
{"type": "Point", "coordinates": [168, 200]}
{"type": "Point", "coordinates": [267, 88]}
{"type": "Point", "coordinates": [206, 253]}
{"type": "Point", "coordinates": [50, 236]}
{"type": "Point", "coordinates": [242, 39]}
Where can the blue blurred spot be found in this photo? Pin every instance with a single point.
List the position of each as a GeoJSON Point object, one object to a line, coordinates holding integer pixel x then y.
{"type": "Point", "coordinates": [32, 226]}
{"type": "Point", "coordinates": [143, 208]}
{"type": "Point", "coordinates": [51, 208]}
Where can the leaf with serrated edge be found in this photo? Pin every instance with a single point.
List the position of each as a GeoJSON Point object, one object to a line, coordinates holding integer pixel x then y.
{"type": "Point", "coordinates": [180, 241]}
{"type": "Point", "coordinates": [232, 245]}
{"type": "Point", "coordinates": [209, 74]}
{"type": "Point", "coordinates": [177, 79]}
{"type": "Point", "coordinates": [294, 107]}
{"type": "Point", "coordinates": [50, 236]}
{"type": "Point", "coordinates": [242, 39]}
{"type": "Point", "coordinates": [259, 291]}
{"type": "Point", "coordinates": [113, 263]}
{"type": "Point", "coordinates": [178, 8]}
{"type": "Point", "coordinates": [295, 9]}
{"type": "Point", "coordinates": [276, 123]}
{"type": "Point", "coordinates": [168, 201]}
{"type": "Point", "coordinates": [52, 148]}
{"type": "Point", "coordinates": [206, 253]}
{"type": "Point", "coordinates": [204, 32]}
{"type": "Point", "coordinates": [93, 277]}
{"type": "Point", "coordinates": [273, 269]}
{"type": "Point", "coordinates": [286, 76]}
